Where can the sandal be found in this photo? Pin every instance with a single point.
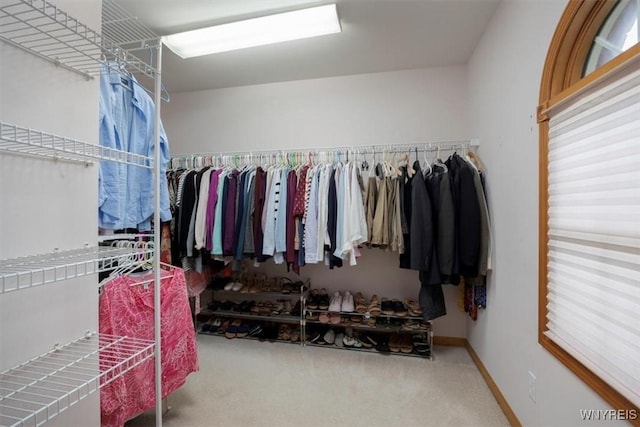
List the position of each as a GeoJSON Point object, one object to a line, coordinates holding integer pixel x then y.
{"type": "Point", "coordinates": [257, 308]}
{"type": "Point", "coordinates": [394, 343]}
{"type": "Point", "coordinates": [360, 303]}
{"type": "Point", "coordinates": [243, 331]}
{"type": "Point", "coordinates": [232, 330]}
{"type": "Point", "coordinates": [335, 319]}
{"type": "Point", "coordinates": [374, 306]}
{"type": "Point", "coordinates": [406, 344]}
{"type": "Point", "coordinates": [276, 285]}
{"type": "Point", "coordinates": [284, 333]}
{"type": "Point", "coordinates": [413, 307]}
{"type": "Point", "coordinates": [267, 308]}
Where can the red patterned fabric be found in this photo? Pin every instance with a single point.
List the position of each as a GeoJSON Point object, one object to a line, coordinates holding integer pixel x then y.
{"type": "Point", "coordinates": [298, 203]}
{"type": "Point", "coordinates": [128, 311]}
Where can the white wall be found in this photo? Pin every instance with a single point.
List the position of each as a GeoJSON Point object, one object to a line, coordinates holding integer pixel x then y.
{"type": "Point", "coordinates": [381, 108]}
{"type": "Point", "coordinates": [504, 82]}
{"type": "Point", "coordinates": [46, 205]}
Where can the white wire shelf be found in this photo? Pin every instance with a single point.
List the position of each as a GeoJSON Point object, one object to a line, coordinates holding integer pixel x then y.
{"type": "Point", "coordinates": [26, 272]}
{"type": "Point", "coordinates": [38, 390]}
{"type": "Point", "coordinates": [17, 139]}
{"type": "Point", "coordinates": [42, 29]}
{"type": "Point", "coordinates": [123, 29]}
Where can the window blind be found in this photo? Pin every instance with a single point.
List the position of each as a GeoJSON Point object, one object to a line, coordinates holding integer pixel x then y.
{"type": "Point", "coordinates": [593, 281]}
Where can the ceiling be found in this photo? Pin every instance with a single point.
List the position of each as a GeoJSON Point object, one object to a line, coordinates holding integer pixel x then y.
{"type": "Point", "coordinates": [377, 36]}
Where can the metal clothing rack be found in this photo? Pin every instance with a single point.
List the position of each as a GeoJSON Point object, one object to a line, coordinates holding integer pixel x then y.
{"type": "Point", "coordinates": [40, 28]}
{"type": "Point", "coordinates": [196, 160]}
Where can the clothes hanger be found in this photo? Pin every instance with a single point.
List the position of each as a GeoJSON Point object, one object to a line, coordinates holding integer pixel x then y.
{"type": "Point", "coordinates": [427, 164]}
{"type": "Point", "coordinates": [439, 161]}
{"type": "Point", "coordinates": [410, 170]}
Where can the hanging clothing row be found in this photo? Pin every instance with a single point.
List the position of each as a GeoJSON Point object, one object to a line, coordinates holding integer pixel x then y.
{"type": "Point", "coordinates": [326, 212]}
{"type": "Point", "coordinates": [448, 230]}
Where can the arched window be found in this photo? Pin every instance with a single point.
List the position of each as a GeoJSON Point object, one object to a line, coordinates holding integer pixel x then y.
{"type": "Point", "coordinates": [618, 33]}
{"type": "Point", "coordinates": [589, 257]}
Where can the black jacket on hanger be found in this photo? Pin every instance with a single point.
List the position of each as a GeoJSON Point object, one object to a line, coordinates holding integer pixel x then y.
{"type": "Point", "coordinates": [467, 213]}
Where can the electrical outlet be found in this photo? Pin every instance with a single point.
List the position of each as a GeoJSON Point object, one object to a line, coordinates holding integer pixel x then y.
{"type": "Point", "coordinates": [532, 387]}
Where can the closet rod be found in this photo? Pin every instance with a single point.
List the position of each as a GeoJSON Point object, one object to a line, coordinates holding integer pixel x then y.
{"type": "Point", "coordinates": [354, 149]}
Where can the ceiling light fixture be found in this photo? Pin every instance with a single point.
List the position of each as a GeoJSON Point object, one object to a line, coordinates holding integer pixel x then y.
{"type": "Point", "coordinates": [299, 24]}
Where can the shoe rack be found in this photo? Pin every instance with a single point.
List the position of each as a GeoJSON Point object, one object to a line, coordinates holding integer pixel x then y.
{"type": "Point", "coordinates": [388, 327]}
{"type": "Point", "coordinates": [237, 310]}
{"type": "Point", "coordinates": [257, 310]}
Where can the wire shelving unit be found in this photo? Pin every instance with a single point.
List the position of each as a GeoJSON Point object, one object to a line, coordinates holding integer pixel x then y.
{"type": "Point", "coordinates": [42, 29]}
{"type": "Point", "coordinates": [36, 391]}
{"type": "Point", "coordinates": [35, 270]}
{"type": "Point", "coordinates": [18, 139]}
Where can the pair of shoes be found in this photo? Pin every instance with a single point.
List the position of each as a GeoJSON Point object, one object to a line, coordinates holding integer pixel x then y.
{"type": "Point", "coordinates": [406, 344]}
{"type": "Point", "coordinates": [394, 343]}
{"type": "Point", "coordinates": [399, 308]}
{"type": "Point", "coordinates": [282, 306]}
{"type": "Point", "coordinates": [323, 299]}
{"type": "Point", "coordinates": [386, 306]}
{"type": "Point", "coordinates": [360, 303]}
{"type": "Point", "coordinates": [295, 335]}
{"type": "Point", "coordinates": [382, 344]}
{"type": "Point", "coordinates": [413, 307]}
{"type": "Point", "coordinates": [350, 339]}
{"type": "Point", "coordinates": [232, 329]}
{"type": "Point", "coordinates": [284, 333]}
{"type": "Point", "coordinates": [244, 306]}
{"type": "Point", "coordinates": [340, 303]}
{"type": "Point", "coordinates": [211, 326]}
{"type": "Point", "coordinates": [421, 345]}
{"type": "Point", "coordinates": [374, 306]}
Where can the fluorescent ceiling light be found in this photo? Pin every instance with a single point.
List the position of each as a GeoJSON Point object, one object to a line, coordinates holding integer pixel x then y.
{"type": "Point", "coordinates": [299, 24]}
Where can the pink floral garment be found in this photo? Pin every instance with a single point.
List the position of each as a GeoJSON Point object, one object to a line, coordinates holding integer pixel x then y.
{"type": "Point", "coordinates": [128, 311]}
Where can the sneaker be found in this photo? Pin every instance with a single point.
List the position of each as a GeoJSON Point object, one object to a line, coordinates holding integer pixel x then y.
{"type": "Point", "coordinates": [347, 303]}
{"type": "Point", "coordinates": [335, 304]}
{"type": "Point", "coordinates": [330, 337]}
{"type": "Point", "coordinates": [339, 339]}
{"type": "Point", "coordinates": [347, 341]}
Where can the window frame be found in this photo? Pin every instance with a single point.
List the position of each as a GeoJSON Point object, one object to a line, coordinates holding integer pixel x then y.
{"type": "Point", "coordinates": [562, 80]}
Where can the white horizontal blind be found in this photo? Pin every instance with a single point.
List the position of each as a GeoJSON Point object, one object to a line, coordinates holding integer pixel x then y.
{"type": "Point", "coordinates": [593, 291]}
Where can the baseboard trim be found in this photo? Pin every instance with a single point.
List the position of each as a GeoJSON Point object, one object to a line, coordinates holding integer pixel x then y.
{"type": "Point", "coordinates": [502, 402]}
{"type": "Point", "coordinates": [450, 341]}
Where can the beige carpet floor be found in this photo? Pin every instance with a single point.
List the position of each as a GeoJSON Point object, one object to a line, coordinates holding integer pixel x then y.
{"type": "Point", "coordinates": [251, 383]}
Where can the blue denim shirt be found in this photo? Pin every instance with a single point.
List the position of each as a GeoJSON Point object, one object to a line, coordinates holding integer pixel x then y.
{"type": "Point", "coordinates": [125, 194]}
